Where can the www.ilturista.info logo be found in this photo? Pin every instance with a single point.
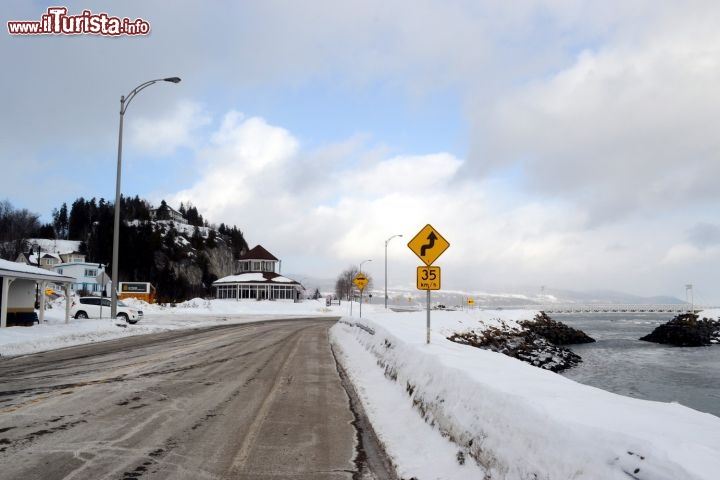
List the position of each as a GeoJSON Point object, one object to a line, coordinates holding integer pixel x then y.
{"type": "Point", "coordinates": [57, 22]}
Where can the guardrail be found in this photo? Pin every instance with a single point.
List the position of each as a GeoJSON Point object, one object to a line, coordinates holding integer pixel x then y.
{"type": "Point", "coordinates": [610, 308]}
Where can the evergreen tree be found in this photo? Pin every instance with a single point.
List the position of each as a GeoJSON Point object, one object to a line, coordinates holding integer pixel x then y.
{"type": "Point", "coordinates": [60, 222]}
{"type": "Point", "coordinates": [45, 231]}
{"type": "Point", "coordinates": [197, 241]}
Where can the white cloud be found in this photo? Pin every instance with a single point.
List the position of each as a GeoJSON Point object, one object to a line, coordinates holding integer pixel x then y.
{"type": "Point", "coordinates": [243, 176]}
{"type": "Point", "coordinates": [241, 168]}
{"type": "Point", "coordinates": [625, 127]}
{"type": "Point", "coordinates": [176, 128]}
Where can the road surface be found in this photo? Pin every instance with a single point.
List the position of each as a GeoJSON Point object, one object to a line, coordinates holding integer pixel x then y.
{"type": "Point", "coordinates": [262, 400]}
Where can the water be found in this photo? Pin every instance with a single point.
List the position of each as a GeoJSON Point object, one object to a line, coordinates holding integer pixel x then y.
{"type": "Point", "coordinates": [620, 363]}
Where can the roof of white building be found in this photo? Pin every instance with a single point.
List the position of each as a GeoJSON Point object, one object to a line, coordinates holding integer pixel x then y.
{"type": "Point", "coordinates": [256, 278]}
{"type": "Point", "coordinates": [20, 270]}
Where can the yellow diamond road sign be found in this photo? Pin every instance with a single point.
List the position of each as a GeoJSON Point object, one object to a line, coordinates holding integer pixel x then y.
{"type": "Point", "coordinates": [360, 281]}
{"type": "Point", "coordinates": [428, 244]}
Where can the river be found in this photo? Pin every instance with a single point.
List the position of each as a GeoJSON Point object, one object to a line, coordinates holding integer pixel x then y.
{"type": "Point", "coordinates": [620, 363]}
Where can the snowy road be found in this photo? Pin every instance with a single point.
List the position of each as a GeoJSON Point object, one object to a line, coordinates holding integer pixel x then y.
{"type": "Point", "coordinates": [260, 400]}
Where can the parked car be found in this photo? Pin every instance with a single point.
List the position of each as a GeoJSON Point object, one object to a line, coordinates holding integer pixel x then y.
{"type": "Point", "coordinates": [96, 307]}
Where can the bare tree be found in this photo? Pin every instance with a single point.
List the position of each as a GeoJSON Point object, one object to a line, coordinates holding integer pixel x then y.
{"type": "Point", "coordinates": [344, 286]}
{"type": "Point", "coordinates": [15, 227]}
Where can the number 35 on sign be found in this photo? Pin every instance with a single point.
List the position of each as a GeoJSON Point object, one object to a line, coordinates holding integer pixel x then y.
{"type": "Point", "coordinates": [428, 278]}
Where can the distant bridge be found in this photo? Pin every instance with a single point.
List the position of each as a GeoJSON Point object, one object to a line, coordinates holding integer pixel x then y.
{"type": "Point", "coordinates": [611, 308]}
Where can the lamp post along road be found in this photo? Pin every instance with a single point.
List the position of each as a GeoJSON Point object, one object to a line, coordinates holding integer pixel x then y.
{"type": "Point", "coordinates": [37, 284]}
{"type": "Point", "coordinates": [124, 104]}
{"type": "Point", "coordinates": [386, 244]}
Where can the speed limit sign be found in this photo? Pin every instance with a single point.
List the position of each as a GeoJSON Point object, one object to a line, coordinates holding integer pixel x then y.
{"type": "Point", "coordinates": [428, 278]}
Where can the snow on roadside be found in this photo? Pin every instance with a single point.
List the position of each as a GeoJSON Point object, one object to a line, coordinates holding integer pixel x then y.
{"type": "Point", "coordinates": [507, 419]}
{"type": "Point", "coordinates": [55, 333]}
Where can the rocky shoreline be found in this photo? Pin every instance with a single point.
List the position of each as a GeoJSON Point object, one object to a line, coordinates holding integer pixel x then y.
{"type": "Point", "coordinates": [542, 341]}
{"type": "Point", "coordinates": [539, 342]}
{"type": "Point", "coordinates": [686, 330]}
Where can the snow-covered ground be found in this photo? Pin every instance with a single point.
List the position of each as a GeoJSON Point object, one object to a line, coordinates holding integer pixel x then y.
{"type": "Point", "coordinates": [449, 411]}
{"type": "Point", "coordinates": [55, 333]}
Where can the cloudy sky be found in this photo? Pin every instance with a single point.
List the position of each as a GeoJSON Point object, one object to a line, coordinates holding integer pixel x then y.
{"type": "Point", "coordinates": [569, 144]}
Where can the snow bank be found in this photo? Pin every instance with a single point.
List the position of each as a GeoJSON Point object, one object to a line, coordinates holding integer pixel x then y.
{"type": "Point", "coordinates": [508, 419]}
{"type": "Point", "coordinates": [55, 333]}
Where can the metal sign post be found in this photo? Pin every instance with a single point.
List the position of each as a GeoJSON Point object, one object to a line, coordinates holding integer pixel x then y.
{"type": "Point", "coordinates": [427, 340]}
{"type": "Point", "coordinates": [361, 282]}
{"type": "Point", "coordinates": [428, 245]}
{"type": "Point", "coordinates": [428, 278]}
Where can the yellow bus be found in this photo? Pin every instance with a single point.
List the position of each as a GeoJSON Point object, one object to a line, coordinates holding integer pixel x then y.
{"type": "Point", "coordinates": [140, 290]}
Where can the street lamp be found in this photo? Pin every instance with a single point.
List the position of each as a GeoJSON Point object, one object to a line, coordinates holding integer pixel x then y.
{"type": "Point", "coordinates": [37, 284]}
{"type": "Point", "coordinates": [124, 104]}
{"type": "Point", "coordinates": [692, 297]}
{"type": "Point", "coordinates": [364, 261]}
{"type": "Point", "coordinates": [386, 244]}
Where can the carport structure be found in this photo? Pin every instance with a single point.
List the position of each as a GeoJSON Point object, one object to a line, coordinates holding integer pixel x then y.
{"type": "Point", "coordinates": [18, 279]}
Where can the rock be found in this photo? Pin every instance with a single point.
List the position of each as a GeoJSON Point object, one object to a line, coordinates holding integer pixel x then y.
{"type": "Point", "coordinates": [555, 332]}
{"type": "Point", "coordinates": [686, 330]}
{"type": "Point", "coordinates": [523, 344]}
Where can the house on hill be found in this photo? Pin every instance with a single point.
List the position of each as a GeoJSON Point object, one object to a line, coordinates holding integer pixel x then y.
{"type": "Point", "coordinates": [51, 252]}
{"type": "Point", "coordinates": [258, 278]}
{"type": "Point", "coordinates": [166, 212]}
{"type": "Point", "coordinates": [46, 260]}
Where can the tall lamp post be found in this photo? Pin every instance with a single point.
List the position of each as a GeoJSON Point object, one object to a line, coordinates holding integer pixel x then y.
{"type": "Point", "coordinates": [692, 297]}
{"type": "Point", "coordinates": [124, 104]}
{"type": "Point", "coordinates": [386, 244]}
{"type": "Point", "coordinates": [361, 292]}
{"type": "Point", "coordinates": [37, 284]}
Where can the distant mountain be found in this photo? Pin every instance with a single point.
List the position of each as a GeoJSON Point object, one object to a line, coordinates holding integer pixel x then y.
{"type": "Point", "coordinates": [611, 296]}
{"type": "Point", "coordinates": [520, 297]}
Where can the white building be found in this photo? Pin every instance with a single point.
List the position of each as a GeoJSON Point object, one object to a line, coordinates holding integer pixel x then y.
{"type": "Point", "coordinates": [166, 212]}
{"type": "Point", "coordinates": [20, 287]}
{"type": "Point", "coordinates": [258, 280]}
{"type": "Point", "coordinates": [85, 274]}
{"type": "Point", "coordinates": [51, 251]}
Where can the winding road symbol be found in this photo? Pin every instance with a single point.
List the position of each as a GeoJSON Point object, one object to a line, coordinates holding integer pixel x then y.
{"type": "Point", "coordinates": [428, 244]}
{"type": "Point", "coordinates": [432, 237]}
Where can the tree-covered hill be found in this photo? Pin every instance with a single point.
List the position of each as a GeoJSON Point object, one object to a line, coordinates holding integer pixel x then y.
{"type": "Point", "coordinates": [181, 260]}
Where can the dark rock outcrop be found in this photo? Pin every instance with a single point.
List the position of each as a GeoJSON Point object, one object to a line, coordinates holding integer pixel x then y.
{"type": "Point", "coordinates": [686, 330]}
{"type": "Point", "coordinates": [555, 332]}
{"type": "Point", "coordinates": [535, 343]}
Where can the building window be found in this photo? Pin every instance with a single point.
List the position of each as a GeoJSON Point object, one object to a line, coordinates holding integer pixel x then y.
{"type": "Point", "coordinates": [90, 272]}
{"type": "Point", "coordinates": [256, 266]}
{"type": "Point", "coordinates": [59, 270]}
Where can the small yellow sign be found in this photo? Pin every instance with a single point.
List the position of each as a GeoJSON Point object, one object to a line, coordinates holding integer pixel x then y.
{"type": "Point", "coordinates": [428, 244]}
{"type": "Point", "coordinates": [360, 281]}
{"type": "Point", "coordinates": [428, 278]}
{"type": "Point", "coordinates": [471, 301]}
{"type": "Point", "coordinates": [48, 291]}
